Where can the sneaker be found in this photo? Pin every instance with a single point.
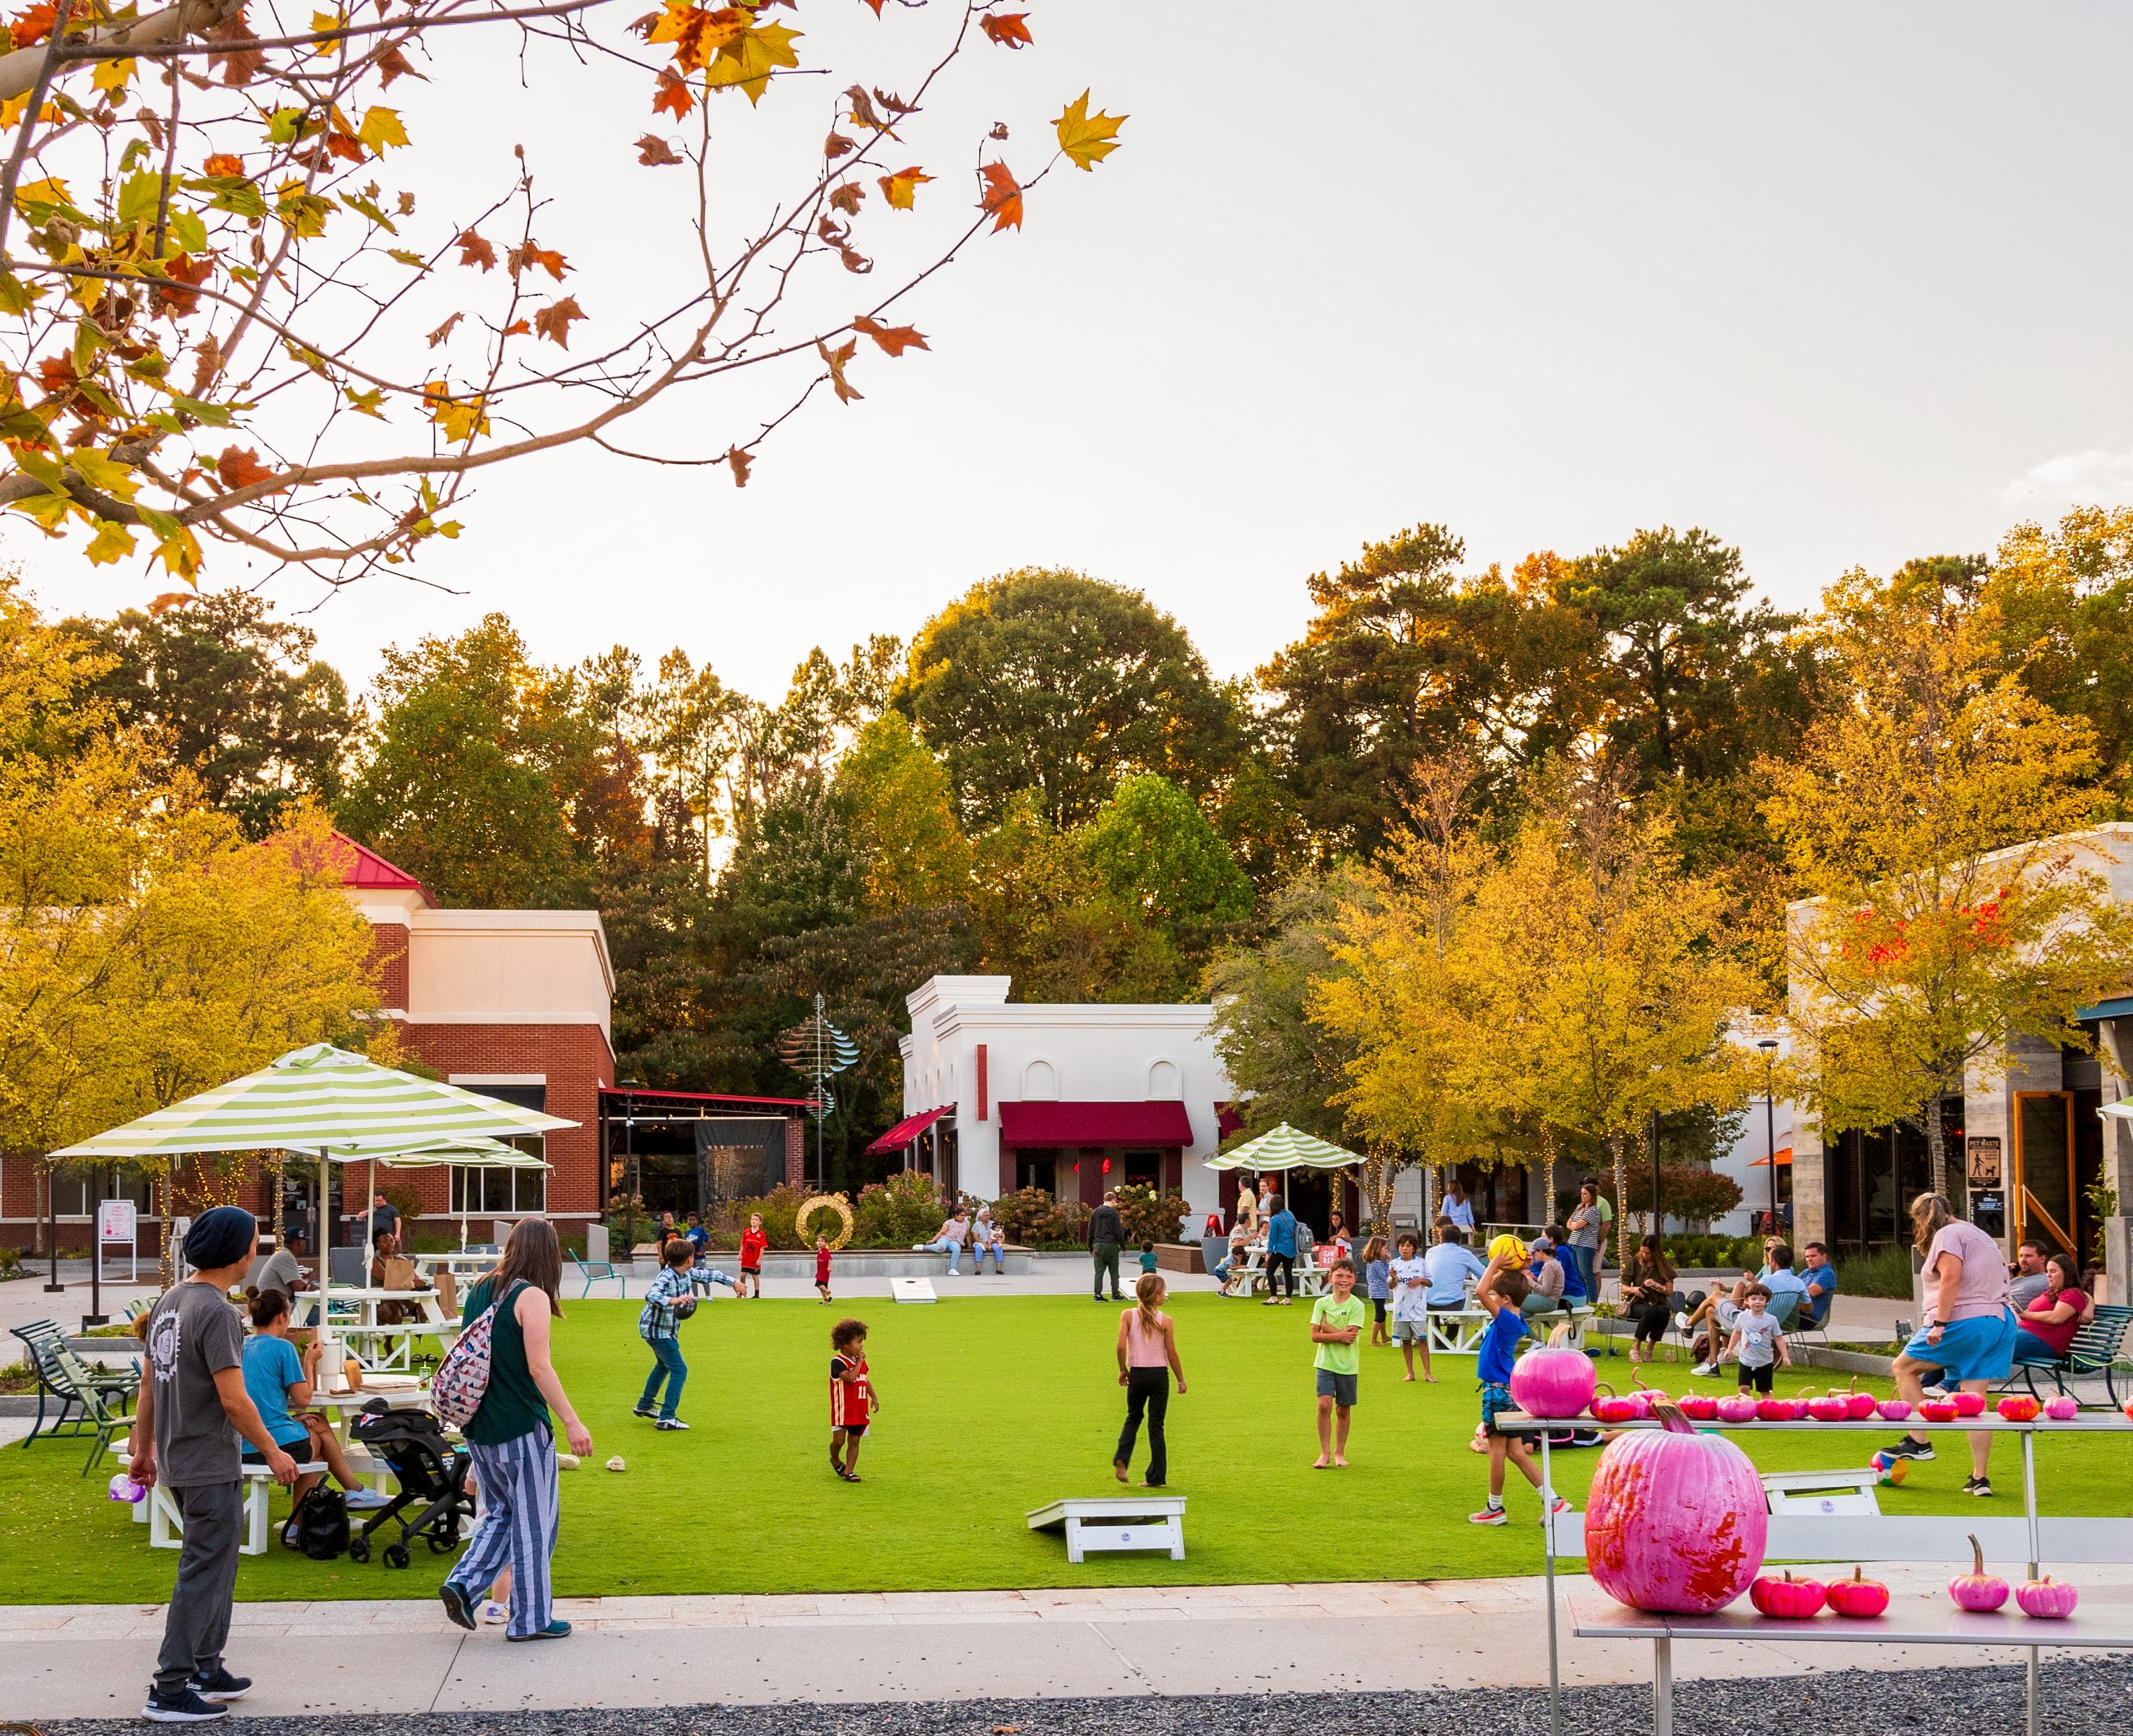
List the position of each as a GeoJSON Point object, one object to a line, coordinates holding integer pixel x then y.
{"type": "Point", "coordinates": [644, 1411]}
{"type": "Point", "coordinates": [182, 1707]}
{"type": "Point", "coordinates": [671, 1421]}
{"type": "Point", "coordinates": [364, 1500]}
{"type": "Point", "coordinates": [221, 1686]}
{"type": "Point", "coordinates": [1558, 1507]}
{"type": "Point", "coordinates": [1489, 1516]}
{"type": "Point", "coordinates": [1979, 1486]}
{"type": "Point", "coordinates": [1704, 1370]}
{"type": "Point", "coordinates": [554, 1630]}
{"type": "Point", "coordinates": [494, 1614]}
{"type": "Point", "coordinates": [1680, 1323]}
{"type": "Point", "coordinates": [1909, 1448]}
{"type": "Point", "coordinates": [457, 1606]}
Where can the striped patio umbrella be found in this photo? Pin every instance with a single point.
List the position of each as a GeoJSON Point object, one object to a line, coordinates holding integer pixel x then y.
{"type": "Point", "coordinates": [1284, 1148]}
{"type": "Point", "coordinates": [323, 1101]}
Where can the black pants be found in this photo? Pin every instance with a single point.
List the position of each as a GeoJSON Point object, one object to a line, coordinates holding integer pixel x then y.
{"type": "Point", "coordinates": [1281, 1269]}
{"type": "Point", "coordinates": [1146, 1389]}
{"type": "Point", "coordinates": [1651, 1323]}
{"type": "Point", "coordinates": [1105, 1255]}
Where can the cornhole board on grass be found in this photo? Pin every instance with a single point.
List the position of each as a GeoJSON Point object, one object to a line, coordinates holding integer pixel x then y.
{"type": "Point", "coordinates": [1117, 1522]}
{"type": "Point", "coordinates": [912, 1289]}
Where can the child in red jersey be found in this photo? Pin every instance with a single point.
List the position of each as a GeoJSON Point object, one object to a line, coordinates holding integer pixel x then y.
{"type": "Point", "coordinates": [853, 1400]}
{"type": "Point", "coordinates": [822, 1266]}
{"type": "Point", "coordinates": [753, 1241]}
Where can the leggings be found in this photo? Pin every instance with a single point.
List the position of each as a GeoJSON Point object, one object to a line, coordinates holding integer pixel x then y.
{"type": "Point", "coordinates": [1281, 1271]}
{"type": "Point", "coordinates": [1652, 1323]}
{"type": "Point", "coordinates": [1146, 1389]}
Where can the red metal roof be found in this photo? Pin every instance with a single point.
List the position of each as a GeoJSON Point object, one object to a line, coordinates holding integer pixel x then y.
{"type": "Point", "coordinates": [790, 1103]}
{"type": "Point", "coordinates": [362, 866]}
{"type": "Point", "coordinates": [1163, 1123]}
{"type": "Point", "coordinates": [907, 1130]}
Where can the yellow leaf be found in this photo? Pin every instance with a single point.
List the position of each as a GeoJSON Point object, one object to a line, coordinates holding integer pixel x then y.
{"type": "Point", "coordinates": [1088, 138]}
{"type": "Point", "coordinates": [104, 473]}
{"type": "Point", "coordinates": [462, 419]}
{"type": "Point", "coordinates": [180, 552]}
{"type": "Point", "coordinates": [13, 110]}
{"type": "Point", "coordinates": [111, 542]}
{"type": "Point", "coordinates": [747, 61]}
{"type": "Point", "coordinates": [111, 75]}
{"type": "Point", "coordinates": [899, 188]}
{"type": "Point", "coordinates": [50, 191]}
{"type": "Point", "coordinates": [321, 23]}
{"type": "Point", "coordinates": [381, 128]}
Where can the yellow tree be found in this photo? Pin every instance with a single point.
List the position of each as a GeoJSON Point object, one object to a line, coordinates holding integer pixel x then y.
{"type": "Point", "coordinates": [1946, 909]}
{"type": "Point", "coordinates": [1604, 976]}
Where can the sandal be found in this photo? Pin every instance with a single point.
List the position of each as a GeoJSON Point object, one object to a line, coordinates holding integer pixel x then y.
{"type": "Point", "coordinates": [849, 1476]}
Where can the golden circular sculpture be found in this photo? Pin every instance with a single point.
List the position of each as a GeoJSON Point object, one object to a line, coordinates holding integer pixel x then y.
{"type": "Point", "coordinates": [824, 1202]}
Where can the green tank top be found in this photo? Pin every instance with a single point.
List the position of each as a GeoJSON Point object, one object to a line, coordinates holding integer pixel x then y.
{"type": "Point", "coordinates": [512, 1405]}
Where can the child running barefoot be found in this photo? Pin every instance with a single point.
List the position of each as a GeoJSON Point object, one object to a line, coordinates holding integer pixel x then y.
{"type": "Point", "coordinates": [1377, 1277]}
{"type": "Point", "coordinates": [1409, 1279]}
{"type": "Point", "coordinates": [822, 1267]}
{"type": "Point", "coordinates": [1336, 1321]}
{"type": "Point", "coordinates": [1503, 1287]}
{"type": "Point", "coordinates": [853, 1400]}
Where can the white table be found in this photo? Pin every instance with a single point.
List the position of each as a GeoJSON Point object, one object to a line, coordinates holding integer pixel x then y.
{"type": "Point", "coordinates": [378, 1347]}
{"type": "Point", "coordinates": [460, 1265]}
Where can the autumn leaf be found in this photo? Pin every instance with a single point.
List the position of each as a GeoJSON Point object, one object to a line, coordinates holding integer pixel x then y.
{"type": "Point", "coordinates": [444, 330]}
{"type": "Point", "coordinates": [673, 97]}
{"type": "Point", "coordinates": [745, 61]}
{"type": "Point", "coordinates": [1088, 138]}
{"type": "Point", "coordinates": [654, 152]}
{"type": "Point", "coordinates": [35, 24]}
{"type": "Point", "coordinates": [845, 391]}
{"type": "Point", "coordinates": [696, 32]}
{"type": "Point", "coordinates": [180, 554]}
{"type": "Point", "coordinates": [517, 328]}
{"type": "Point", "coordinates": [393, 64]}
{"type": "Point", "coordinates": [837, 145]}
{"type": "Point", "coordinates": [846, 198]}
{"type": "Point", "coordinates": [1003, 196]}
{"type": "Point", "coordinates": [863, 110]}
{"type": "Point", "coordinates": [474, 251]}
{"type": "Point", "coordinates": [238, 64]}
{"type": "Point", "coordinates": [896, 105]}
{"type": "Point", "coordinates": [460, 418]}
{"type": "Point", "coordinates": [111, 542]}
{"type": "Point", "coordinates": [900, 187]}
{"type": "Point", "coordinates": [554, 321]}
{"type": "Point", "coordinates": [841, 239]}
{"type": "Point", "coordinates": [164, 601]}
{"type": "Point", "coordinates": [876, 4]}
{"type": "Point", "coordinates": [240, 467]}
{"type": "Point", "coordinates": [894, 339]}
{"type": "Point", "coordinates": [183, 270]}
{"type": "Point", "coordinates": [222, 163]}
{"type": "Point", "coordinates": [1006, 28]}
{"type": "Point", "coordinates": [740, 462]}
{"type": "Point", "coordinates": [533, 254]}
{"type": "Point", "coordinates": [381, 129]}
{"type": "Point", "coordinates": [111, 75]}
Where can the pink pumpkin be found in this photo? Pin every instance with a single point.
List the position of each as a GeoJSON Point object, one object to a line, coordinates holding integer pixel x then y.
{"type": "Point", "coordinates": [1787, 1599]}
{"type": "Point", "coordinates": [1736, 1407]}
{"type": "Point", "coordinates": [1967, 1403]}
{"type": "Point", "coordinates": [1831, 1408]}
{"type": "Point", "coordinates": [1699, 1407]}
{"type": "Point", "coordinates": [1782, 1410]}
{"type": "Point", "coordinates": [2061, 1409]}
{"type": "Point", "coordinates": [1553, 1382]}
{"type": "Point", "coordinates": [1977, 1589]}
{"type": "Point", "coordinates": [1893, 1410]}
{"type": "Point", "coordinates": [2020, 1408]}
{"type": "Point", "coordinates": [2047, 1600]}
{"type": "Point", "coordinates": [1862, 1404]}
{"type": "Point", "coordinates": [1676, 1521]}
{"type": "Point", "coordinates": [1646, 1397]}
{"type": "Point", "coordinates": [1858, 1597]}
{"type": "Point", "coordinates": [1612, 1408]}
{"type": "Point", "coordinates": [1939, 1410]}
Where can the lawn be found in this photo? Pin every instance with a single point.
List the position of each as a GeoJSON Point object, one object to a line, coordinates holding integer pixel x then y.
{"type": "Point", "coordinates": [991, 1408]}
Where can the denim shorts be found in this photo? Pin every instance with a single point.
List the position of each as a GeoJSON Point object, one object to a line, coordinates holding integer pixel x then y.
{"type": "Point", "coordinates": [1341, 1389]}
{"type": "Point", "coordinates": [1982, 1348]}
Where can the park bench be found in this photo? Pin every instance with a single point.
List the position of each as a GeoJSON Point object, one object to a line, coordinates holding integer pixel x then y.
{"type": "Point", "coordinates": [166, 1524]}
{"type": "Point", "coordinates": [2095, 1351]}
{"type": "Point", "coordinates": [74, 1388]}
{"type": "Point", "coordinates": [1458, 1331]}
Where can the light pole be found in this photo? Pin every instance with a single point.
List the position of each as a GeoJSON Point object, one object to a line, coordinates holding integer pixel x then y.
{"type": "Point", "coordinates": [1769, 1047]}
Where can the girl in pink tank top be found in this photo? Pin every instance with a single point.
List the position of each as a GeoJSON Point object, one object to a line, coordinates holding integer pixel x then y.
{"type": "Point", "coordinates": [1148, 1357]}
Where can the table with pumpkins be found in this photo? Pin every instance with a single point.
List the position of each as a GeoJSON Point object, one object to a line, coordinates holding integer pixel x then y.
{"type": "Point", "coordinates": [1678, 1527]}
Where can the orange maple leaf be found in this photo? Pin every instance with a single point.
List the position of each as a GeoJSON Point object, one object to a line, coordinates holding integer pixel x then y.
{"type": "Point", "coordinates": [836, 358]}
{"type": "Point", "coordinates": [56, 374]}
{"type": "Point", "coordinates": [222, 163]}
{"type": "Point", "coordinates": [654, 152]}
{"type": "Point", "coordinates": [238, 64]}
{"type": "Point", "coordinates": [836, 145]}
{"type": "Point", "coordinates": [344, 144]}
{"type": "Point", "coordinates": [474, 251]}
{"type": "Point", "coordinates": [894, 339]}
{"type": "Point", "coordinates": [393, 64]}
{"type": "Point", "coordinates": [554, 321]}
{"type": "Point", "coordinates": [1006, 28]}
{"type": "Point", "coordinates": [517, 328]}
{"type": "Point", "coordinates": [531, 254]}
{"type": "Point", "coordinates": [34, 25]}
{"type": "Point", "coordinates": [876, 4]}
{"type": "Point", "coordinates": [1003, 196]}
{"type": "Point", "coordinates": [240, 467]}
{"type": "Point", "coordinates": [183, 269]}
{"type": "Point", "coordinates": [846, 198]}
{"type": "Point", "coordinates": [444, 330]}
{"type": "Point", "coordinates": [739, 461]}
{"type": "Point", "coordinates": [673, 97]}
{"type": "Point", "coordinates": [901, 186]}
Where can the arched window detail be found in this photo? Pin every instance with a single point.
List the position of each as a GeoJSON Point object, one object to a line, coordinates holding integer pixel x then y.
{"type": "Point", "coordinates": [1040, 1082]}
{"type": "Point", "coordinates": [1165, 1084]}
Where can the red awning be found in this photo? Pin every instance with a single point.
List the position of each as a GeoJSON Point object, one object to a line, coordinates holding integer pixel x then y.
{"type": "Point", "coordinates": [1784, 1157]}
{"type": "Point", "coordinates": [1227, 1121]}
{"type": "Point", "coordinates": [1095, 1123]}
{"type": "Point", "coordinates": [906, 1130]}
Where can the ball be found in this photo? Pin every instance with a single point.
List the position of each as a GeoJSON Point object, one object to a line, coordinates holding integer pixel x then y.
{"type": "Point", "coordinates": [1889, 1470]}
{"type": "Point", "coordinates": [1508, 1246]}
{"type": "Point", "coordinates": [684, 1308]}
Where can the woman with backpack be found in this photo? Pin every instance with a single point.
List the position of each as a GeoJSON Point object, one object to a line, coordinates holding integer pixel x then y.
{"type": "Point", "coordinates": [510, 1436]}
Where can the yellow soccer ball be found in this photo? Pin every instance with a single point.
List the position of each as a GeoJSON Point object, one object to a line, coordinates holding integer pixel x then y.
{"type": "Point", "coordinates": [1508, 1246]}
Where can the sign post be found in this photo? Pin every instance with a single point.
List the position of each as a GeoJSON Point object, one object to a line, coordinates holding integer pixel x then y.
{"type": "Point", "coordinates": [117, 1220]}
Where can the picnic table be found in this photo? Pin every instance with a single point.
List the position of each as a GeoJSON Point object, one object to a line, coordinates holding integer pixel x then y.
{"type": "Point", "coordinates": [468, 1263]}
{"type": "Point", "coordinates": [378, 1345]}
{"type": "Point", "coordinates": [1310, 1279]}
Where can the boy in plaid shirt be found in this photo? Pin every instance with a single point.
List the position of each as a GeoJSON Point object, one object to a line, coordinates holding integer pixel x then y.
{"type": "Point", "coordinates": [670, 1300]}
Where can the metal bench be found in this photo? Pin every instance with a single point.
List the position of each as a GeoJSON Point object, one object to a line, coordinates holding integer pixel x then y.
{"type": "Point", "coordinates": [78, 1387]}
{"type": "Point", "coordinates": [2095, 1351]}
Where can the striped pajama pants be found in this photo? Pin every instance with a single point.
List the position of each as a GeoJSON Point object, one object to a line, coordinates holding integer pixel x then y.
{"type": "Point", "coordinates": [518, 1530]}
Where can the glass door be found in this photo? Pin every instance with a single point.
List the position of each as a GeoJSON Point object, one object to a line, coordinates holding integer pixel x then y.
{"type": "Point", "coordinates": [2044, 1200]}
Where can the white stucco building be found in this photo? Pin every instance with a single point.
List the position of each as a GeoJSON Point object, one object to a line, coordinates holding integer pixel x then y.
{"type": "Point", "coordinates": [1072, 1098]}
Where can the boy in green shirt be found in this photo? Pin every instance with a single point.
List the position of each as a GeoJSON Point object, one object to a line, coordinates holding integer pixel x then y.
{"type": "Point", "coordinates": [1336, 1321]}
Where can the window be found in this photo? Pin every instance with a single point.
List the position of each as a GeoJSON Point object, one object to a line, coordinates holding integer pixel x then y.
{"type": "Point", "coordinates": [1037, 1167]}
{"type": "Point", "coordinates": [1040, 1082]}
{"type": "Point", "coordinates": [477, 1193]}
{"type": "Point", "coordinates": [1143, 1169]}
{"type": "Point", "coordinates": [75, 1192]}
{"type": "Point", "coordinates": [1165, 1084]}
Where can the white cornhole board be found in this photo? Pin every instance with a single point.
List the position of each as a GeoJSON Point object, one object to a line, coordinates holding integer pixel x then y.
{"type": "Point", "coordinates": [1119, 1522]}
{"type": "Point", "coordinates": [912, 1289]}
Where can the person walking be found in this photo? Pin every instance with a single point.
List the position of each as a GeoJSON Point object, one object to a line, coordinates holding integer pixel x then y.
{"type": "Point", "coordinates": [1280, 1252]}
{"type": "Point", "coordinates": [1148, 1357]}
{"type": "Point", "coordinates": [1107, 1236]}
{"type": "Point", "coordinates": [193, 1408]}
{"type": "Point", "coordinates": [512, 1441]}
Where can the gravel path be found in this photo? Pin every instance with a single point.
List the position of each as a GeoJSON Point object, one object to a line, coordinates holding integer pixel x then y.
{"type": "Point", "coordinates": [2084, 1699]}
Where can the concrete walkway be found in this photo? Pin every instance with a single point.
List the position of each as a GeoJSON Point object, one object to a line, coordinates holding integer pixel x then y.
{"type": "Point", "coordinates": [402, 1657]}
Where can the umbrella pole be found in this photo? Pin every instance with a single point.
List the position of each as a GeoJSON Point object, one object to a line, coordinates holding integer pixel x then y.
{"type": "Point", "coordinates": [370, 1220]}
{"type": "Point", "coordinates": [324, 1335]}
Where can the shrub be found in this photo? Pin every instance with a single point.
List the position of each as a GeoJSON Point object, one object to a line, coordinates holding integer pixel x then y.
{"type": "Point", "coordinates": [1150, 1216]}
{"type": "Point", "coordinates": [1036, 1219]}
{"type": "Point", "coordinates": [11, 1264]}
{"type": "Point", "coordinates": [780, 1210]}
{"type": "Point", "coordinates": [1695, 1193]}
{"type": "Point", "coordinates": [402, 1198]}
{"type": "Point", "coordinates": [904, 1210]}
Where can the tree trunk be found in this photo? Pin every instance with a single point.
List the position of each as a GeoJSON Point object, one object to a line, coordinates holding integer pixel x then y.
{"type": "Point", "coordinates": [1936, 1146]}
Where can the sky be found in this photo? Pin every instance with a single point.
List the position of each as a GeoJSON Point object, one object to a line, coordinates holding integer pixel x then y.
{"type": "Point", "coordinates": [1843, 285]}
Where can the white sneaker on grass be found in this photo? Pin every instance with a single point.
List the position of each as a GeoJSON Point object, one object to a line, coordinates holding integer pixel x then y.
{"type": "Point", "coordinates": [1704, 1370]}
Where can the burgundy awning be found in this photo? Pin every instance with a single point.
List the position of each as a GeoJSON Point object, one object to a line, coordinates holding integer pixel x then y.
{"type": "Point", "coordinates": [1095, 1123]}
{"type": "Point", "coordinates": [906, 1130]}
{"type": "Point", "coordinates": [1227, 1121]}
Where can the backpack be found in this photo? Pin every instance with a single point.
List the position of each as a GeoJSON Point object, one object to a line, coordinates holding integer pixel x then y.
{"type": "Point", "coordinates": [462, 1380]}
{"type": "Point", "coordinates": [319, 1526]}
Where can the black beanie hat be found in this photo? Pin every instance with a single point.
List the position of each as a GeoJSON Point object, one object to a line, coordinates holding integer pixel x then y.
{"type": "Point", "coordinates": [220, 1236]}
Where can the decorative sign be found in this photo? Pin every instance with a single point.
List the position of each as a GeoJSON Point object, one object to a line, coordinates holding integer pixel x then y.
{"type": "Point", "coordinates": [1984, 1160]}
{"type": "Point", "coordinates": [115, 1221]}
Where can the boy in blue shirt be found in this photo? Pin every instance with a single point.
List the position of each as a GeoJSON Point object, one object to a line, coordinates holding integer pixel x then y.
{"type": "Point", "coordinates": [1502, 1289]}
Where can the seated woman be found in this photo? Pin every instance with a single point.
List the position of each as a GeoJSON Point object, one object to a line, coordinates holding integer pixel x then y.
{"type": "Point", "coordinates": [391, 1270]}
{"type": "Point", "coordinates": [1647, 1297]}
{"type": "Point", "coordinates": [279, 1384]}
{"type": "Point", "coordinates": [2045, 1330]}
{"type": "Point", "coordinates": [1545, 1273]}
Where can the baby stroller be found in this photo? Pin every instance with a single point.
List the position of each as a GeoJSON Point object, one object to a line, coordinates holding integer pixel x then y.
{"type": "Point", "coordinates": [433, 1476]}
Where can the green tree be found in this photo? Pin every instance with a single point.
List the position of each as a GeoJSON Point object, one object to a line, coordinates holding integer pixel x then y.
{"type": "Point", "coordinates": [1155, 853]}
{"type": "Point", "coordinates": [234, 696]}
{"type": "Point", "coordinates": [1055, 682]}
{"type": "Point", "coordinates": [904, 820]}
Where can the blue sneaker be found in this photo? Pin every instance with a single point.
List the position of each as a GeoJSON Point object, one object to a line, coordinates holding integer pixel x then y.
{"type": "Point", "coordinates": [219, 1685]}
{"type": "Point", "coordinates": [181, 1707]}
{"type": "Point", "coordinates": [457, 1606]}
{"type": "Point", "coordinates": [364, 1500]}
{"type": "Point", "coordinates": [554, 1630]}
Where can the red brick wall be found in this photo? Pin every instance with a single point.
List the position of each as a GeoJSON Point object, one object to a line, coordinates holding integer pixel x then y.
{"type": "Point", "coordinates": [796, 1150]}
{"type": "Point", "coordinates": [388, 964]}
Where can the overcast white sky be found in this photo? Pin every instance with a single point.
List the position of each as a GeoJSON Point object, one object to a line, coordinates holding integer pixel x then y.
{"type": "Point", "coordinates": [1843, 284]}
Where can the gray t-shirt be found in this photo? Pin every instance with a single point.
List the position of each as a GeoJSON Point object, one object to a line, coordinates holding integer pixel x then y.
{"type": "Point", "coordinates": [193, 1334]}
{"type": "Point", "coordinates": [1758, 1339]}
{"type": "Point", "coordinates": [1584, 1224]}
{"type": "Point", "coordinates": [278, 1271]}
{"type": "Point", "coordinates": [2026, 1289]}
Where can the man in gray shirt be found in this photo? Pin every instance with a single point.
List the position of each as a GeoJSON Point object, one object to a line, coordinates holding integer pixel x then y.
{"type": "Point", "coordinates": [194, 1406]}
{"type": "Point", "coordinates": [2030, 1279]}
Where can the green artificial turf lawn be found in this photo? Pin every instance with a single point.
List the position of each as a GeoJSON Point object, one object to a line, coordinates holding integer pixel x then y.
{"type": "Point", "coordinates": [991, 1407]}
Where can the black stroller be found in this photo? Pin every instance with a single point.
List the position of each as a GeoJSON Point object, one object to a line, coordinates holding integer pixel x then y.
{"type": "Point", "coordinates": [433, 1476]}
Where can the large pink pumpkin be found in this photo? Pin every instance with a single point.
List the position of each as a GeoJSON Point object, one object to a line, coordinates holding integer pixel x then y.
{"type": "Point", "coordinates": [1676, 1521]}
{"type": "Point", "coordinates": [1554, 1382]}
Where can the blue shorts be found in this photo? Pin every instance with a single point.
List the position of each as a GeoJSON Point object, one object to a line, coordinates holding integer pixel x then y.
{"type": "Point", "coordinates": [1982, 1348]}
{"type": "Point", "coordinates": [1495, 1400]}
{"type": "Point", "coordinates": [1341, 1389]}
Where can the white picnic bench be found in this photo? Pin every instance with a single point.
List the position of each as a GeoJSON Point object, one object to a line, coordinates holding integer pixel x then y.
{"type": "Point", "coordinates": [1849, 1535]}
{"type": "Point", "coordinates": [1309, 1280]}
{"type": "Point", "coordinates": [166, 1524]}
{"type": "Point", "coordinates": [352, 1316]}
{"type": "Point", "coordinates": [1458, 1331]}
{"type": "Point", "coordinates": [1115, 1522]}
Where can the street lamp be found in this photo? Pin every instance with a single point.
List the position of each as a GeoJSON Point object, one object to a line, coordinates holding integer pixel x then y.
{"type": "Point", "coordinates": [1769, 1047]}
{"type": "Point", "coordinates": [1655, 1171]}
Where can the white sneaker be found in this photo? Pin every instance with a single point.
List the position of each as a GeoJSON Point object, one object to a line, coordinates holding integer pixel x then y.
{"type": "Point", "coordinates": [494, 1614]}
{"type": "Point", "coordinates": [1680, 1323]}
{"type": "Point", "coordinates": [670, 1423]}
{"type": "Point", "coordinates": [1704, 1370]}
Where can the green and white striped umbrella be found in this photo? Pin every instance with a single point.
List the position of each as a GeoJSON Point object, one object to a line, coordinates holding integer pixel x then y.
{"type": "Point", "coordinates": [318, 1100]}
{"type": "Point", "coordinates": [1284, 1148]}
